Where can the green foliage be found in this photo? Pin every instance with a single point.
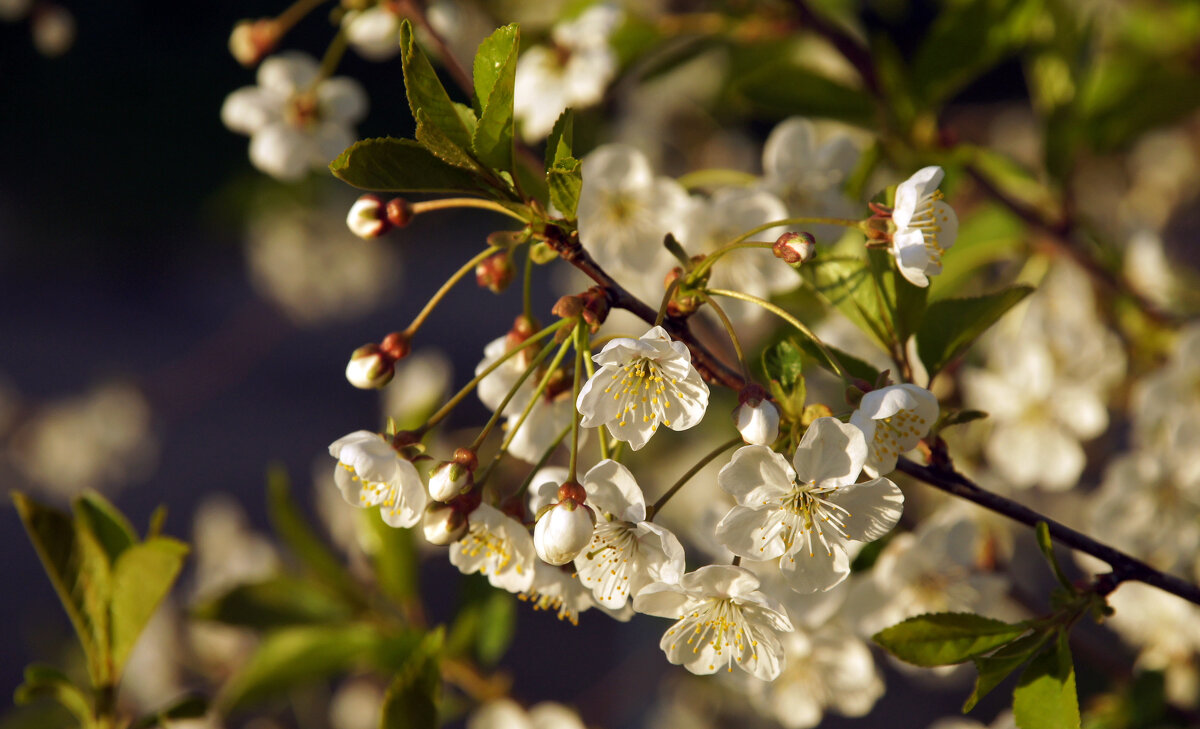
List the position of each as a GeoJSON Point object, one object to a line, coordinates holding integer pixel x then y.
{"type": "Point", "coordinates": [45, 682]}
{"type": "Point", "coordinates": [784, 87]}
{"type": "Point", "coordinates": [997, 666]}
{"type": "Point", "coordinates": [847, 285]}
{"type": "Point", "coordinates": [951, 325]}
{"type": "Point", "coordinates": [411, 700]}
{"type": "Point", "coordinates": [560, 143]}
{"type": "Point", "coordinates": [782, 364]}
{"type": "Point", "coordinates": [394, 556]}
{"type": "Point", "coordinates": [278, 601]}
{"type": "Point", "coordinates": [494, 76]}
{"type": "Point", "coordinates": [141, 579]}
{"type": "Point", "coordinates": [427, 98]}
{"type": "Point", "coordinates": [940, 639]}
{"type": "Point", "coordinates": [565, 179]}
{"type": "Point", "coordinates": [188, 707]}
{"type": "Point", "coordinates": [1045, 696]}
{"type": "Point", "coordinates": [485, 623]}
{"type": "Point", "coordinates": [399, 165]}
{"type": "Point", "coordinates": [1047, 548]}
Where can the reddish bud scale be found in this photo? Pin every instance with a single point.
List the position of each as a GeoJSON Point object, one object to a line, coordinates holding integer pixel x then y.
{"type": "Point", "coordinates": [495, 272]}
{"type": "Point", "coordinates": [405, 438]}
{"type": "Point", "coordinates": [396, 345]}
{"type": "Point", "coordinates": [752, 393]}
{"type": "Point", "coordinates": [794, 248]}
{"type": "Point", "coordinates": [466, 458]}
{"type": "Point", "coordinates": [399, 212]}
{"type": "Point", "coordinates": [572, 490]}
{"type": "Point", "coordinates": [568, 307]}
{"type": "Point", "coordinates": [466, 503]}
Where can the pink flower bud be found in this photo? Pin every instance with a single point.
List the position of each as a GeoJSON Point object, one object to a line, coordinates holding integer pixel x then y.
{"type": "Point", "coordinates": [795, 248]}
{"type": "Point", "coordinates": [495, 272]}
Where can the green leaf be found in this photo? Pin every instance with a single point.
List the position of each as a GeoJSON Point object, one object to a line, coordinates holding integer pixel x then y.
{"type": "Point", "coordinates": [411, 700]}
{"type": "Point", "coordinates": [158, 520]}
{"type": "Point", "coordinates": [565, 180]}
{"type": "Point", "coordinates": [399, 165]}
{"type": "Point", "coordinates": [294, 530]}
{"type": "Point", "coordinates": [988, 235]}
{"type": "Point", "coordinates": [559, 144]}
{"type": "Point", "coordinates": [1126, 96]}
{"type": "Point", "coordinates": [189, 707]}
{"type": "Point", "coordinates": [997, 666]}
{"type": "Point", "coordinates": [442, 145]}
{"type": "Point", "coordinates": [495, 75]}
{"type": "Point", "coordinates": [426, 95]}
{"type": "Point", "coordinates": [854, 366]}
{"type": "Point", "coordinates": [904, 303]}
{"type": "Point", "coordinates": [45, 682]}
{"type": "Point", "coordinates": [783, 364]}
{"type": "Point", "coordinates": [951, 325]}
{"type": "Point", "coordinates": [1045, 697]}
{"type": "Point", "coordinates": [498, 624]}
{"type": "Point", "coordinates": [1046, 545]}
{"type": "Point", "coordinates": [141, 579]}
{"type": "Point", "coordinates": [110, 527]}
{"type": "Point", "coordinates": [394, 555]}
{"type": "Point", "coordinates": [940, 639]}
{"type": "Point", "coordinates": [785, 88]}
{"type": "Point", "coordinates": [53, 536]}
{"type": "Point", "coordinates": [93, 589]}
{"type": "Point", "coordinates": [848, 285]}
{"type": "Point", "coordinates": [275, 602]}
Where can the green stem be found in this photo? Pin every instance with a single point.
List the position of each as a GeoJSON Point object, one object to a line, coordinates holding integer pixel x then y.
{"type": "Point", "coordinates": [445, 289]}
{"type": "Point", "coordinates": [666, 300]}
{"type": "Point", "coordinates": [590, 366]}
{"type": "Point", "coordinates": [527, 284]}
{"type": "Point", "coordinates": [470, 386]}
{"type": "Point", "coordinates": [738, 241]}
{"type": "Point", "coordinates": [512, 392]}
{"type": "Point", "coordinates": [576, 384]}
{"type": "Point", "coordinates": [333, 56]}
{"type": "Point", "coordinates": [733, 337]}
{"type": "Point", "coordinates": [708, 458]}
{"type": "Point", "coordinates": [783, 314]}
{"type": "Point", "coordinates": [449, 203]}
{"type": "Point", "coordinates": [716, 255]}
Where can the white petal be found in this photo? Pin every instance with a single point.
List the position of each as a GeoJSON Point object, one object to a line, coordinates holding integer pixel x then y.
{"type": "Point", "coordinates": [756, 475]}
{"type": "Point", "coordinates": [874, 506]}
{"type": "Point", "coordinates": [611, 488]}
{"type": "Point", "coordinates": [662, 599]}
{"type": "Point", "coordinates": [288, 73]}
{"type": "Point", "coordinates": [281, 151]}
{"type": "Point", "coordinates": [831, 453]}
{"type": "Point", "coordinates": [249, 109]}
{"type": "Point", "coordinates": [742, 529]}
{"type": "Point", "coordinates": [821, 571]}
{"type": "Point", "coordinates": [342, 99]}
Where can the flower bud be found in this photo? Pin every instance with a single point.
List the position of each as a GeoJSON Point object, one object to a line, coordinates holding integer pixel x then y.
{"type": "Point", "coordinates": [756, 417]}
{"type": "Point", "coordinates": [366, 218]}
{"type": "Point", "coordinates": [595, 307]}
{"type": "Point", "coordinates": [795, 248]}
{"type": "Point", "coordinates": [399, 212]}
{"type": "Point", "coordinates": [443, 524]}
{"type": "Point", "coordinates": [369, 368]}
{"type": "Point", "coordinates": [450, 480]}
{"type": "Point", "coordinates": [568, 307]}
{"type": "Point", "coordinates": [396, 345]}
{"type": "Point", "coordinates": [495, 272]}
{"type": "Point", "coordinates": [563, 531]}
{"type": "Point", "coordinates": [252, 40]}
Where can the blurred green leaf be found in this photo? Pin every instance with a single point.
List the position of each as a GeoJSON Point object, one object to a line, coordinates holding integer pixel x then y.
{"type": "Point", "coordinates": [394, 556]}
{"type": "Point", "coordinates": [141, 578]}
{"type": "Point", "coordinates": [951, 325]}
{"type": "Point", "coordinates": [93, 587]}
{"type": "Point", "coordinates": [411, 701]}
{"type": "Point", "coordinates": [904, 303]}
{"type": "Point", "coordinates": [45, 682]}
{"type": "Point", "coordinates": [847, 284]}
{"type": "Point", "coordinates": [484, 623]}
{"type": "Point", "coordinates": [495, 74]}
{"type": "Point", "coordinates": [497, 625]}
{"type": "Point", "coordinates": [277, 601]}
{"type": "Point", "coordinates": [399, 165]}
{"type": "Point", "coordinates": [854, 366]}
{"type": "Point", "coordinates": [940, 639]}
{"type": "Point", "coordinates": [426, 95]}
{"type": "Point", "coordinates": [188, 707]}
{"type": "Point", "coordinates": [1125, 96]}
{"type": "Point", "coordinates": [1045, 697]}
{"type": "Point", "coordinates": [997, 666]}
{"type": "Point", "coordinates": [110, 527]}
{"type": "Point", "coordinates": [566, 180]}
{"type": "Point", "coordinates": [1046, 545]}
{"type": "Point", "coordinates": [784, 88]}
{"type": "Point", "coordinates": [989, 234]}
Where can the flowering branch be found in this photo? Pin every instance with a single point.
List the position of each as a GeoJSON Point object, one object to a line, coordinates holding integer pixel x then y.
{"type": "Point", "coordinates": [1124, 566]}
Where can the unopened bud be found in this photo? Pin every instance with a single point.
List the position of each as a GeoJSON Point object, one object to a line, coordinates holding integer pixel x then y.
{"type": "Point", "coordinates": [366, 218]}
{"type": "Point", "coordinates": [396, 345]}
{"type": "Point", "coordinates": [595, 307]}
{"type": "Point", "coordinates": [795, 248]}
{"type": "Point", "coordinates": [399, 212]}
{"type": "Point", "coordinates": [443, 524]}
{"type": "Point", "coordinates": [756, 418]}
{"type": "Point", "coordinates": [252, 40]}
{"type": "Point", "coordinates": [495, 272]}
{"type": "Point", "coordinates": [568, 307]}
{"type": "Point", "coordinates": [369, 368]}
{"type": "Point", "coordinates": [450, 480]}
{"type": "Point", "coordinates": [563, 531]}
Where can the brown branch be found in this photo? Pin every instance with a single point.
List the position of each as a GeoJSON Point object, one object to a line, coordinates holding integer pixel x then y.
{"type": "Point", "coordinates": [1124, 566]}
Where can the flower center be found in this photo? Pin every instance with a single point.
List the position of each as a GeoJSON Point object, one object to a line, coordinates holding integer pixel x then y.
{"type": "Point", "coordinates": [301, 111]}
{"type": "Point", "coordinates": [496, 550]}
{"type": "Point", "coordinates": [929, 218]}
{"type": "Point", "coordinates": [897, 434]}
{"type": "Point", "coordinates": [806, 517]}
{"type": "Point", "coordinates": [550, 600]}
{"type": "Point", "coordinates": [721, 626]}
{"type": "Point", "coordinates": [643, 388]}
{"type": "Point", "coordinates": [614, 550]}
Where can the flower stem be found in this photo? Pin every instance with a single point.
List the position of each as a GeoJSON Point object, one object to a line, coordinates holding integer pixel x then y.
{"type": "Point", "coordinates": [783, 314]}
{"type": "Point", "coordinates": [716, 255]}
{"type": "Point", "coordinates": [733, 337]}
{"type": "Point", "coordinates": [708, 458]}
{"type": "Point", "coordinates": [581, 347]}
{"type": "Point", "coordinates": [527, 284]}
{"type": "Point", "coordinates": [512, 392]}
{"type": "Point", "coordinates": [333, 56]}
{"type": "Point", "coordinates": [666, 301]}
{"type": "Point", "coordinates": [590, 367]}
{"type": "Point", "coordinates": [449, 203]}
{"type": "Point", "coordinates": [445, 289]}
{"type": "Point", "coordinates": [467, 388]}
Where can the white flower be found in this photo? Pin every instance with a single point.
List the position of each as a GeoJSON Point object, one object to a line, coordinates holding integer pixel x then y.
{"type": "Point", "coordinates": [624, 214]}
{"type": "Point", "coordinates": [294, 125]}
{"type": "Point", "coordinates": [507, 714]}
{"type": "Point", "coordinates": [574, 73]}
{"type": "Point", "coordinates": [641, 383]}
{"type": "Point", "coordinates": [563, 531]}
{"type": "Point", "coordinates": [809, 177]}
{"type": "Point", "coordinates": [497, 546]}
{"type": "Point", "coordinates": [450, 479]}
{"type": "Point", "coordinates": [716, 221]}
{"type": "Point", "coordinates": [367, 218]}
{"type": "Point", "coordinates": [925, 226]}
{"type": "Point", "coordinates": [550, 414]}
{"type": "Point", "coordinates": [626, 552]}
{"type": "Point", "coordinates": [560, 591]}
{"type": "Point", "coordinates": [443, 524]}
{"type": "Point", "coordinates": [369, 368]}
{"type": "Point", "coordinates": [893, 419]}
{"type": "Point", "coordinates": [374, 33]}
{"type": "Point", "coordinates": [758, 421]}
{"type": "Point", "coordinates": [723, 620]}
{"type": "Point", "coordinates": [807, 514]}
{"type": "Point", "coordinates": [1166, 631]}
{"type": "Point", "coordinates": [371, 473]}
